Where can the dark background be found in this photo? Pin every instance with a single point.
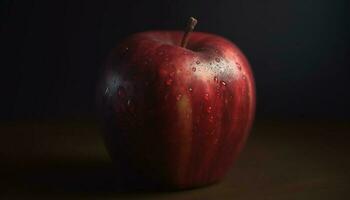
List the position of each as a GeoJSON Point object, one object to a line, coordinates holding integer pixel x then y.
{"type": "Point", "coordinates": [52, 51]}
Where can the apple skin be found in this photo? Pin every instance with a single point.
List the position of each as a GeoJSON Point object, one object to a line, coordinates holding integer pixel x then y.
{"type": "Point", "coordinates": [175, 117]}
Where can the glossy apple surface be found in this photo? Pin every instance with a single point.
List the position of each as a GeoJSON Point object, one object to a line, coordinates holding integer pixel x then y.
{"type": "Point", "coordinates": [176, 116]}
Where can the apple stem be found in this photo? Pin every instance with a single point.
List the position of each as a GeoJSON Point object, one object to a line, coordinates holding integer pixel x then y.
{"type": "Point", "coordinates": [190, 26]}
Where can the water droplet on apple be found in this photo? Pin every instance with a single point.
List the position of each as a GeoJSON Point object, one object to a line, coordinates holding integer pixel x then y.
{"type": "Point", "coordinates": [178, 97]}
{"type": "Point", "coordinates": [216, 141]}
{"type": "Point", "coordinates": [190, 89]}
{"type": "Point", "coordinates": [211, 118]}
{"type": "Point", "coordinates": [217, 59]}
{"type": "Point", "coordinates": [244, 77]}
{"type": "Point", "coordinates": [215, 79]}
{"type": "Point", "coordinates": [206, 96]}
{"type": "Point", "coordinates": [121, 92]}
{"type": "Point", "coordinates": [198, 62]}
{"type": "Point", "coordinates": [131, 105]}
{"type": "Point", "coordinates": [209, 109]}
{"type": "Point", "coordinates": [169, 81]}
{"type": "Point", "coordinates": [106, 91]}
{"type": "Point", "coordinates": [125, 51]}
{"type": "Point", "coordinates": [238, 66]}
{"type": "Point", "coordinates": [223, 83]}
{"type": "Point", "coordinates": [194, 69]}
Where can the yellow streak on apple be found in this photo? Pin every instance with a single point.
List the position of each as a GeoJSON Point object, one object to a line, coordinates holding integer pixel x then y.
{"type": "Point", "coordinates": [184, 112]}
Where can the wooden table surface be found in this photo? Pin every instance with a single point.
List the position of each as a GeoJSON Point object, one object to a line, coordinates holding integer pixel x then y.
{"type": "Point", "coordinates": [282, 160]}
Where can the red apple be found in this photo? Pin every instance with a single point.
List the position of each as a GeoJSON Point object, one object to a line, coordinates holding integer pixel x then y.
{"type": "Point", "coordinates": [176, 116]}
